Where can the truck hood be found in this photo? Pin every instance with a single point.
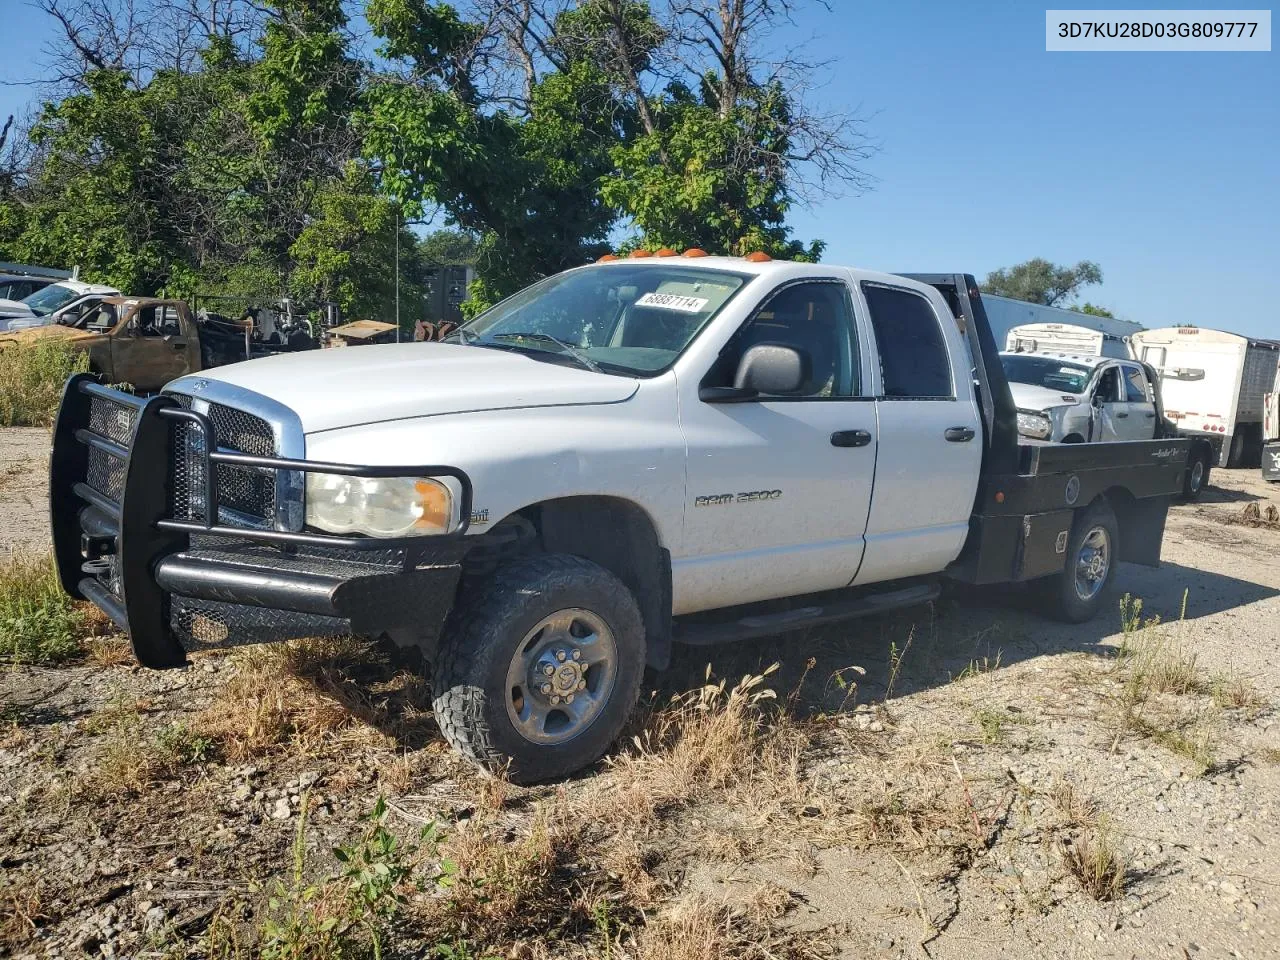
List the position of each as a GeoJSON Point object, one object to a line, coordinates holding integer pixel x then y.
{"type": "Point", "coordinates": [349, 386]}
{"type": "Point", "coordinates": [49, 331]}
{"type": "Point", "coordinates": [1027, 396]}
{"type": "Point", "coordinates": [10, 309]}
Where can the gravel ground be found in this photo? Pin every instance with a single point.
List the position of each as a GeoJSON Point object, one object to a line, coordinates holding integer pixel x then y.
{"type": "Point", "coordinates": [1018, 706]}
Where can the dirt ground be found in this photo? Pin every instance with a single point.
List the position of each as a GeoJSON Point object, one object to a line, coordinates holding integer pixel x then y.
{"type": "Point", "coordinates": [1019, 721]}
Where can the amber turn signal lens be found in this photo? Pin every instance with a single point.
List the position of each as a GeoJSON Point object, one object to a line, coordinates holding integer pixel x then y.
{"type": "Point", "coordinates": [695, 252]}
{"type": "Point", "coordinates": [758, 256]}
{"type": "Point", "coordinates": [637, 254]}
{"type": "Point", "coordinates": [607, 257]}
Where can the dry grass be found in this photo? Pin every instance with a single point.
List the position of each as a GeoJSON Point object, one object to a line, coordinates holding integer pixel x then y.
{"type": "Point", "coordinates": [1096, 862]}
{"type": "Point", "coordinates": [292, 696]}
{"type": "Point", "coordinates": [698, 928]}
{"type": "Point", "coordinates": [31, 380]}
{"type": "Point", "coordinates": [1231, 691]}
{"type": "Point", "coordinates": [712, 740]}
{"type": "Point", "coordinates": [22, 911]}
{"type": "Point", "coordinates": [132, 761]}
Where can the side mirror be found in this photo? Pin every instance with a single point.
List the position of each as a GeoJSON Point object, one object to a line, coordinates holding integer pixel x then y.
{"type": "Point", "coordinates": [772, 369]}
{"type": "Point", "coordinates": [769, 369]}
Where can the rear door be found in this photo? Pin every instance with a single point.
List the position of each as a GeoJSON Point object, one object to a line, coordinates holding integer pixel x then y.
{"type": "Point", "coordinates": [930, 450]}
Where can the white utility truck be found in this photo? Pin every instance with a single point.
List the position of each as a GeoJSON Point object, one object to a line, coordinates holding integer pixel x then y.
{"type": "Point", "coordinates": [653, 449]}
{"type": "Point", "coordinates": [1066, 338]}
{"type": "Point", "coordinates": [1213, 384]}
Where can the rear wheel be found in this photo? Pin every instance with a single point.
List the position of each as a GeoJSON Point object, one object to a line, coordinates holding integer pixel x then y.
{"type": "Point", "coordinates": [539, 667]}
{"type": "Point", "coordinates": [1079, 592]}
{"type": "Point", "coordinates": [1197, 477]}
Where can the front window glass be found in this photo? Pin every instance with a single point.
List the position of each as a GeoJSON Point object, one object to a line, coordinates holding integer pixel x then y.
{"type": "Point", "coordinates": [51, 298]}
{"type": "Point", "coordinates": [625, 318]}
{"type": "Point", "coordinates": [1046, 372]}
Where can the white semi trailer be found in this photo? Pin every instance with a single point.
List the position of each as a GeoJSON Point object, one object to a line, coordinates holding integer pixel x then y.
{"type": "Point", "coordinates": [1213, 383]}
{"type": "Point", "coordinates": [1271, 432]}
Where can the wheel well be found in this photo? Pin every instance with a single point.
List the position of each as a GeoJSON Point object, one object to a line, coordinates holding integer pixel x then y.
{"type": "Point", "coordinates": [620, 536]}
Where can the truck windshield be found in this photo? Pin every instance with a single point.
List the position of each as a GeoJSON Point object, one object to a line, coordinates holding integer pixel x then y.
{"type": "Point", "coordinates": [44, 302]}
{"type": "Point", "coordinates": [631, 319]}
{"type": "Point", "coordinates": [1046, 372]}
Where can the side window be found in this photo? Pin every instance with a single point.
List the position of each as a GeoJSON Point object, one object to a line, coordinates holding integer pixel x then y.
{"type": "Point", "coordinates": [913, 353]}
{"type": "Point", "coordinates": [1108, 385]}
{"type": "Point", "coordinates": [815, 318]}
{"type": "Point", "coordinates": [169, 326]}
{"type": "Point", "coordinates": [1135, 385]}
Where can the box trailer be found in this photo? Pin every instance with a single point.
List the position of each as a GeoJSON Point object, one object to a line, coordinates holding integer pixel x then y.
{"type": "Point", "coordinates": [1214, 384]}
{"type": "Point", "coordinates": [1271, 432]}
{"type": "Point", "coordinates": [1006, 313]}
{"type": "Point", "coordinates": [1068, 338]}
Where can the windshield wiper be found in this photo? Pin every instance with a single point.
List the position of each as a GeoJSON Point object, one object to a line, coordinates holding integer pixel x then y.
{"type": "Point", "coordinates": [568, 349]}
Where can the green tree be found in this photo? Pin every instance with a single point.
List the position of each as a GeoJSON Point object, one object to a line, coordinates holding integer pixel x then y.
{"type": "Point", "coordinates": [1093, 310]}
{"type": "Point", "coordinates": [1039, 281]}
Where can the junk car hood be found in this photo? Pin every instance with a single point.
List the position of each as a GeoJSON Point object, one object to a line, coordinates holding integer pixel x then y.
{"type": "Point", "coordinates": [14, 309]}
{"type": "Point", "coordinates": [1028, 396]}
{"type": "Point", "coordinates": [349, 386]}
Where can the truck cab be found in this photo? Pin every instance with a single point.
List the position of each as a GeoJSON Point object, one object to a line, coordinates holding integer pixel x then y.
{"type": "Point", "coordinates": [67, 302]}
{"type": "Point", "coordinates": [622, 456]}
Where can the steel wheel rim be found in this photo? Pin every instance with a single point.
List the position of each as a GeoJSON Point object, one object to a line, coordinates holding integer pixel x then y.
{"type": "Point", "coordinates": [561, 676]}
{"type": "Point", "coordinates": [1197, 474]}
{"type": "Point", "coordinates": [1093, 563]}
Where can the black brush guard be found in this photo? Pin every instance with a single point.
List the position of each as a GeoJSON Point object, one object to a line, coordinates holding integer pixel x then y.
{"type": "Point", "coordinates": [125, 551]}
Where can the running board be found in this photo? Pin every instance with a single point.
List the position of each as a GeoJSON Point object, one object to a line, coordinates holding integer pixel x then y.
{"type": "Point", "coordinates": [799, 618]}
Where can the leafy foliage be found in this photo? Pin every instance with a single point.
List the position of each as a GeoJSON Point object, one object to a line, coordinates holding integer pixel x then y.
{"type": "Point", "coordinates": [1039, 281]}
{"type": "Point", "coordinates": [39, 623]}
{"type": "Point", "coordinates": [274, 158]}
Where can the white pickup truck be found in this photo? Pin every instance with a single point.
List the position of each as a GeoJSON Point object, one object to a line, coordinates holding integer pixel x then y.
{"type": "Point", "coordinates": [1075, 398]}
{"type": "Point", "coordinates": [627, 454]}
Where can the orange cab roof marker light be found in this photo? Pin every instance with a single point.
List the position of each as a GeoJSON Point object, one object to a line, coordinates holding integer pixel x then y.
{"type": "Point", "coordinates": [635, 254]}
{"type": "Point", "coordinates": [758, 256]}
{"type": "Point", "coordinates": [664, 252]}
{"type": "Point", "coordinates": [694, 252]}
{"type": "Point", "coordinates": [607, 257]}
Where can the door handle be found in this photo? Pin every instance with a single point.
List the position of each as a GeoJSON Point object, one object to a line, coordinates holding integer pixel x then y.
{"type": "Point", "coordinates": [958, 434]}
{"type": "Point", "coordinates": [1150, 416]}
{"type": "Point", "coordinates": [850, 438]}
{"type": "Point", "coordinates": [1120, 416]}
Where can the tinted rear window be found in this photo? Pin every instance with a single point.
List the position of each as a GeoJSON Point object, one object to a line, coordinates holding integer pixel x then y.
{"type": "Point", "coordinates": [913, 354]}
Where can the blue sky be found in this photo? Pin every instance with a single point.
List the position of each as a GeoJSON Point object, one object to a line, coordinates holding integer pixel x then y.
{"type": "Point", "coordinates": [1163, 167]}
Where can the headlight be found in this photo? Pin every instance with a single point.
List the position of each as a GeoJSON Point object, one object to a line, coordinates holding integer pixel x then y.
{"type": "Point", "coordinates": [1034, 425]}
{"type": "Point", "coordinates": [380, 507]}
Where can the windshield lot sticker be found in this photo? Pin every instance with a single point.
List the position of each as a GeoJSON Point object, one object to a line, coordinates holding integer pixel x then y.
{"type": "Point", "coordinates": [673, 301]}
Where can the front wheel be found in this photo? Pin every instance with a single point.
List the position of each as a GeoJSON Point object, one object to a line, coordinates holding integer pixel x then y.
{"type": "Point", "coordinates": [539, 667]}
{"type": "Point", "coordinates": [1078, 593]}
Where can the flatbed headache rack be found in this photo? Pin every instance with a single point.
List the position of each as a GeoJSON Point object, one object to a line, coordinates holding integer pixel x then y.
{"type": "Point", "coordinates": [1028, 492]}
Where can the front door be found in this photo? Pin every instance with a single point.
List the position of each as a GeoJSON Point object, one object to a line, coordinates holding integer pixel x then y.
{"type": "Point", "coordinates": [1111, 411]}
{"type": "Point", "coordinates": [150, 348]}
{"type": "Point", "coordinates": [1140, 424]}
{"type": "Point", "coordinates": [779, 487]}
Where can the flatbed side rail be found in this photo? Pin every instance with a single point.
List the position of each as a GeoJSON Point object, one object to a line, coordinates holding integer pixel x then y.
{"type": "Point", "coordinates": [111, 496]}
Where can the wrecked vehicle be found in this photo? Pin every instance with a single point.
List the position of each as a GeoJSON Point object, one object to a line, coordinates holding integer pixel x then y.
{"type": "Point", "coordinates": [146, 342]}
{"type": "Point", "coordinates": [625, 455]}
